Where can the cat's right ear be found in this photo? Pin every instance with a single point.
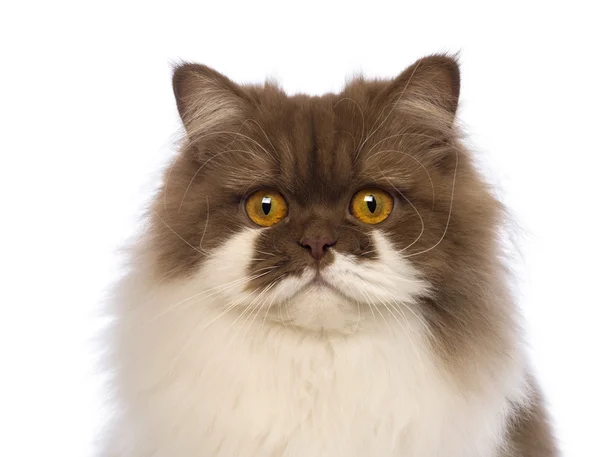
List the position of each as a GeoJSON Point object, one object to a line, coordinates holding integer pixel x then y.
{"type": "Point", "coordinates": [207, 101]}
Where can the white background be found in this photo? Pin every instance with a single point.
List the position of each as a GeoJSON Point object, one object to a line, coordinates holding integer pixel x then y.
{"type": "Point", "coordinates": [87, 118]}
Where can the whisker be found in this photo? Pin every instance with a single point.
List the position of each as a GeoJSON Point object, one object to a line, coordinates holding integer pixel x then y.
{"type": "Point", "coordinates": [368, 303]}
{"type": "Point", "coordinates": [357, 319]}
{"type": "Point", "coordinates": [390, 112]}
{"type": "Point", "coordinates": [264, 133]}
{"type": "Point", "coordinates": [266, 253]}
{"type": "Point", "coordinates": [207, 161]}
{"type": "Point", "coordinates": [352, 136]}
{"type": "Point", "coordinates": [209, 292]}
{"type": "Point", "coordinates": [413, 207]}
{"type": "Point", "coordinates": [267, 289]}
{"type": "Point", "coordinates": [449, 210]}
{"type": "Point", "coordinates": [224, 132]}
{"type": "Point", "coordinates": [357, 244]}
{"type": "Point", "coordinates": [205, 223]}
{"type": "Point", "coordinates": [419, 318]}
{"type": "Point", "coordinates": [165, 187]}
{"type": "Point", "coordinates": [368, 252]}
{"type": "Point", "coordinates": [412, 157]}
{"type": "Point", "coordinates": [248, 310]}
{"type": "Point", "coordinates": [390, 311]}
{"type": "Point", "coordinates": [407, 330]}
{"type": "Point", "coordinates": [179, 236]}
{"type": "Point", "coordinates": [267, 311]}
{"type": "Point", "coordinates": [231, 306]}
{"type": "Point", "coordinates": [269, 268]}
{"type": "Point", "coordinates": [378, 310]}
{"type": "Point", "coordinates": [194, 332]}
{"type": "Point", "coordinates": [362, 114]}
{"type": "Point", "coordinates": [456, 151]}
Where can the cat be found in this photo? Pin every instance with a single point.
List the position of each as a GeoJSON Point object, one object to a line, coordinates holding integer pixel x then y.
{"type": "Point", "coordinates": [321, 277]}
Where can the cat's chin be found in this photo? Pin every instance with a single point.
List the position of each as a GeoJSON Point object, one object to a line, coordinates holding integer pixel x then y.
{"type": "Point", "coordinates": [320, 307]}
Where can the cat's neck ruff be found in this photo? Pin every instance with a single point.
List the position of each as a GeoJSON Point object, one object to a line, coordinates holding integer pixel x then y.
{"type": "Point", "coordinates": [228, 385]}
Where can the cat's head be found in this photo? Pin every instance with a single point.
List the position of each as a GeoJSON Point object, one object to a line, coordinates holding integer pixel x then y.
{"type": "Point", "coordinates": [331, 213]}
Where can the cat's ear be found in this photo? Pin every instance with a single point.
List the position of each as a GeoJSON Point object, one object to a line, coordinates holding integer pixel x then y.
{"type": "Point", "coordinates": [207, 101]}
{"type": "Point", "coordinates": [431, 84]}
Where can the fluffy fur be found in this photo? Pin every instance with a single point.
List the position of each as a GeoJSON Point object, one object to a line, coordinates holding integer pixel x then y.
{"type": "Point", "coordinates": [230, 340]}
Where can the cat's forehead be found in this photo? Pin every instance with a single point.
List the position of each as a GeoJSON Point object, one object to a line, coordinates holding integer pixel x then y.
{"type": "Point", "coordinates": [311, 147]}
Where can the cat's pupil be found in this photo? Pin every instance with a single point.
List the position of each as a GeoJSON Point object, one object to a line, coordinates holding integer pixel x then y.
{"type": "Point", "coordinates": [266, 205]}
{"type": "Point", "coordinates": [371, 203]}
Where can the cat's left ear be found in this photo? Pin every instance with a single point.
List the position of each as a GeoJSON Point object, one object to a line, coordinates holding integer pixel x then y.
{"type": "Point", "coordinates": [431, 85]}
{"type": "Point", "coordinates": [207, 101]}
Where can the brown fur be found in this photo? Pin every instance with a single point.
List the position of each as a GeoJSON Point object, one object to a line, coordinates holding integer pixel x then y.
{"type": "Point", "coordinates": [531, 432]}
{"type": "Point", "coordinates": [399, 135]}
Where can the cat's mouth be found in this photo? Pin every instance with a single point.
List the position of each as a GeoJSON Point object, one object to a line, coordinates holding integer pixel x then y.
{"type": "Point", "coordinates": [318, 281]}
{"type": "Point", "coordinates": [315, 283]}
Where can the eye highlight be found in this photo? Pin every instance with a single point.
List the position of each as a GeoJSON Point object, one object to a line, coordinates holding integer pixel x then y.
{"type": "Point", "coordinates": [371, 205]}
{"type": "Point", "coordinates": [266, 207]}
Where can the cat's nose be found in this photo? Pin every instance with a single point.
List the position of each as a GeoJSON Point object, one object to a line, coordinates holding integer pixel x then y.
{"type": "Point", "coordinates": [317, 246]}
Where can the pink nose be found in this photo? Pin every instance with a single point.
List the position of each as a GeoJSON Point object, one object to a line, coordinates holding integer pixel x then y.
{"type": "Point", "coordinates": [317, 246]}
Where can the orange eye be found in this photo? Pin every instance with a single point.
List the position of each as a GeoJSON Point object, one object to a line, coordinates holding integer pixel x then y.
{"type": "Point", "coordinates": [266, 207]}
{"type": "Point", "coordinates": [371, 205]}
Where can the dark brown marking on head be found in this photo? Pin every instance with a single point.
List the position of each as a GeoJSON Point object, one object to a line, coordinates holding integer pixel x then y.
{"type": "Point", "coordinates": [317, 152]}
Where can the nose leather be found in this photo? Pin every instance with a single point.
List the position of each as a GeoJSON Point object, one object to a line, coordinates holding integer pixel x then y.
{"type": "Point", "coordinates": [317, 246]}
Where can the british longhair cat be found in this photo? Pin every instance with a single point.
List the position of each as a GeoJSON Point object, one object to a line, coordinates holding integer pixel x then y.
{"type": "Point", "coordinates": [321, 277]}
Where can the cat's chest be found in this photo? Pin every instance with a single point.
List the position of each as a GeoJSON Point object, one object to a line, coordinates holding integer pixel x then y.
{"type": "Point", "coordinates": [250, 389]}
{"type": "Point", "coordinates": [271, 393]}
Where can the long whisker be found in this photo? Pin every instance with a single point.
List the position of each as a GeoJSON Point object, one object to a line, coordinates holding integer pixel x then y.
{"type": "Point", "coordinates": [263, 252]}
{"type": "Point", "coordinates": [269, 268]}
{"type": "Point", "coordinates": [357, 319]}
{"type": "Point", "coordinates": [264, 133]}
{"type": "Point", "coordinates": [231, 306]}
{"type": "Point", "coordinates": [224, 132]}
{"type": "Point", "coordinates": [419, 318]}
{"type": "Point", "coordinates": [248, 310]}
{"type": "Point", "coordinates": [206, 162]}
{"type": "Point", "coordinates": [165, 187]}
{"type": "Point", "coordinates": [267, 311]}
{"type": "Point", "coordinates": [357, 244]}
{"type": "Point", "coordinates": [407, 331]}
{"type": "Point", "coordinates": [209, 293]}
{"type": "Point", "coordinates": [456, 152]}
{"type": "Point", "coordinates": [194, 332]}
{"type": "Point", "coordinates": [378, 310]}
{"type": "Point", "coordinates": [391, 110]}
{"type": "Point", "coordinates": [259, 309]}
{"type": "Point", "coordinates": [287, 310]}
{"type": "Point", "coordinates": [368, 252]}
{"type": "Point", "coordinates": [206, 325]}
{"type": "Point", "coordinates": [178, 235]}
{"type": "Point", "coordinates": [368, 303]}
{"type": "Point", "coordinates": [413, 207]}
{"type": "Point", "coordinates": [205, 224]}
{"type": "Point", "coordinates": [449, 209]}
{"type": "Point", "coordinates": [362, 114]}
{"type": "Point", "coordinates": [370, 156]}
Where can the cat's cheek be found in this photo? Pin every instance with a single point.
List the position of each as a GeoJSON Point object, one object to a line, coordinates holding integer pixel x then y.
{"type": "Point", "coordinates": [225, 274]}
{"type": "Point", "coordinates": [388, 277]}
{"type": "Point", "coordinates": [401, 277]}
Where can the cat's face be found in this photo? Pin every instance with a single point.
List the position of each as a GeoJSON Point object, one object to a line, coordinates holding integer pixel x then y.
{"type": "Point", "coordinates": [327, 213]}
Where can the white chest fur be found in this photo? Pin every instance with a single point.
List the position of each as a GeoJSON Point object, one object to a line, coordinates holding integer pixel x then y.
{"type": "Point", "coordinates": [195, 381]}
{"type": "Point", "coordinates": [267, 391]}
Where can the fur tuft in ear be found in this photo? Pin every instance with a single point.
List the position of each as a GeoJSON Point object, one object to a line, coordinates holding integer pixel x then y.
{"type": "Point", "coordinates": [206, 99]}
{"type": "Point", "coordinates": [429, 88]}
